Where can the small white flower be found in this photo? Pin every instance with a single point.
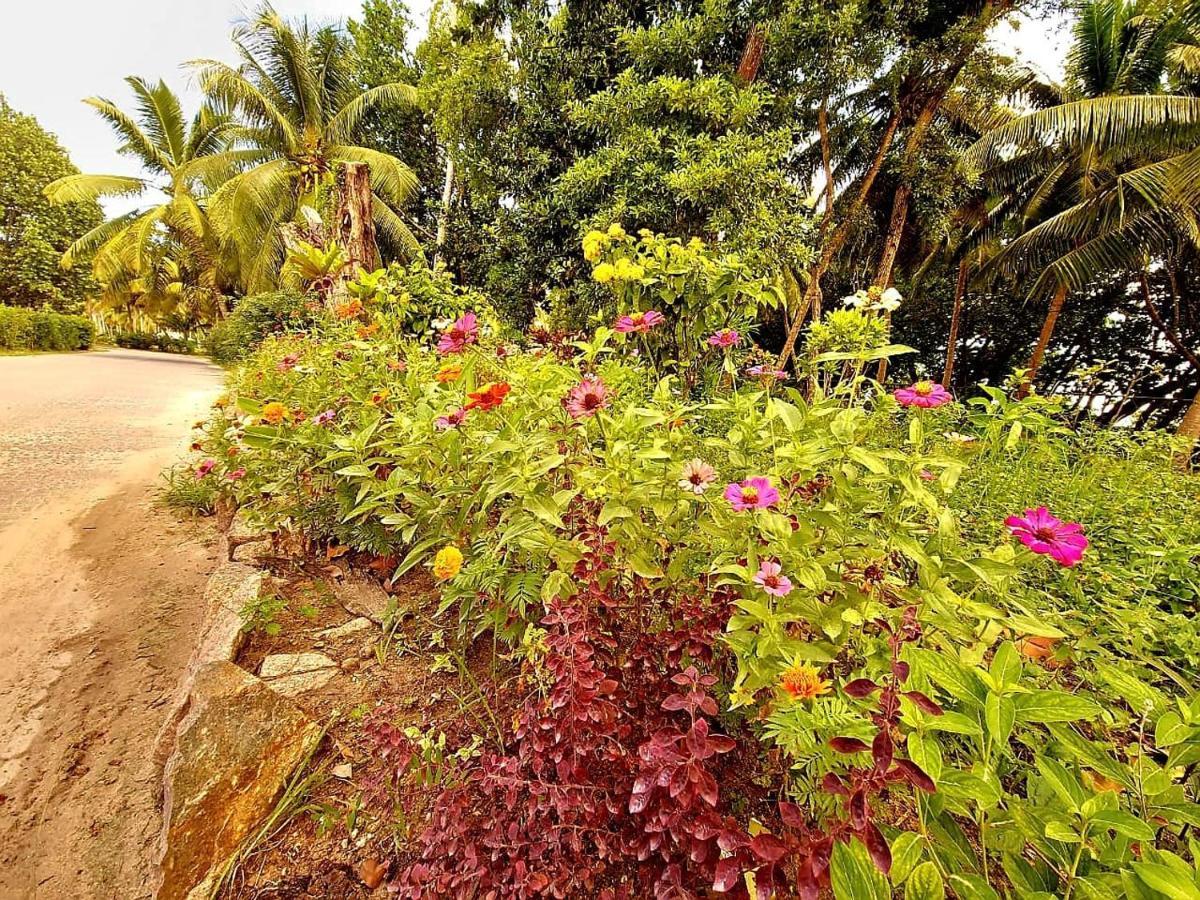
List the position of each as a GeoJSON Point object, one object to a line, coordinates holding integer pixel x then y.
{"type": "Point", "coordinates": [856, 300]}
{"type": "Point", "coordinates": [890, 300]}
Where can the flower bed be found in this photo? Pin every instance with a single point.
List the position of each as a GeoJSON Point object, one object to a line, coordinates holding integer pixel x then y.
{"type": "Point", "coordinates": [749, 638]}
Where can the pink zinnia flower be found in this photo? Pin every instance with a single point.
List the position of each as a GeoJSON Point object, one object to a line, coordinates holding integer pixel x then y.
{"type": "Point", "coordinates": [451, 420]}
{"type": "Point", "coordinates": [586, 399]}
{"type": "Point", "coordinates": [753, 493]}
{"type": "Point", "coordinates": [639, 322]}
{"type": "Point", "coordinates": [1042, 533]}
{"type": "Point", "coordinates": [924, 394]}
{"type": "Point", "coordinates": [460, 335]}
{"type": "Point", "coordinates": [726, 337]}
{"type": "Point", "coordinates": [236, 475]}
{"type": "Point", "coordinates": [766, 372]}
{"type": "Point", "coordinates": [324, 418]}
{"type": "Point", "coordinates": [770, 579]}
{"type": "Point", "coordinates": [696, 476]}
{"type": "Point", "coordinates": [288, 362]}
{"type": "Point", "coordinates": [205, 467]}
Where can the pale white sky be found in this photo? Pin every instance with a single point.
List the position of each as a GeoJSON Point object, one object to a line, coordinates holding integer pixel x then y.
{"type": "Point", "coordinates": [53, 53]}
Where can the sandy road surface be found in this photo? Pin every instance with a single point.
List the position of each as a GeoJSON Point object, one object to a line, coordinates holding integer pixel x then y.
{"type": "Point", "coordinates": [99, 599]}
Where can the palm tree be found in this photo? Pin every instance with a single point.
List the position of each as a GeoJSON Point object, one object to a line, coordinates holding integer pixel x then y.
{"type": "Point", "coordinates": [180, 160]}
{"type": "Point", "coordinates": [1108, 176]}
{"type": "Point", "coordinates": [296, 91]}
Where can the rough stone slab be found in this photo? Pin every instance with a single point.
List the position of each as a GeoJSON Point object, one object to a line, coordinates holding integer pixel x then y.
{"type": "Point", "coordinates": [237, 746]}
{"type": "Point", "coordinates": [230, 588]}
{"type": "Point", "coordinates": [353, 627]}
{"type": "Point", "coordinates": [362, 597]}
{"type": "Point", "coordinates": [239, 534]}
{"type": "Point", "coordinates": [292, 674]}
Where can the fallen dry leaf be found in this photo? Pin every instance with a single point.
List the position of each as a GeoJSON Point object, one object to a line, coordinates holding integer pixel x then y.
{"type": "Point", "coordinates": [372, 872]}
{"type": "Point", "coordinates": [335, 551]}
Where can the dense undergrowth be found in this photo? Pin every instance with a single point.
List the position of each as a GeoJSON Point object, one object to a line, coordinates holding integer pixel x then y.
{"type": "Point", "coordinates": [37, 329]}
{"type": "Point", "coordinates": [770, 636]}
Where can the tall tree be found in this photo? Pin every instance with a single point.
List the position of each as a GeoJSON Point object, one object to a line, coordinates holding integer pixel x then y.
{"type": "Point", "coordinates": [33, 233]}
{"type": "Point", "coordinates": [297, 92]}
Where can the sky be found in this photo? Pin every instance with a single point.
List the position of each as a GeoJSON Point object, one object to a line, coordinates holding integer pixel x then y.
{"type": "Point", "coordinates": [54, 53]}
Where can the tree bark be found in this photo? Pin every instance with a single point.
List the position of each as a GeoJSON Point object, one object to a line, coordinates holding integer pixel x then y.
{"type": "Point", "coordinates": [752, 54]}
{"type": "Point", "coordinates": [960, 291]}
{"type": "Point", "coordinates": [838, 238]}
{"type": "Point", "coordinates": [1189, 431]}
{"type": "Point", "coordinates": [355, 220]}
{"type": "Point", "coordinates": [1043, 341]}
{"type": "Point", "coordinates": [444, 218]}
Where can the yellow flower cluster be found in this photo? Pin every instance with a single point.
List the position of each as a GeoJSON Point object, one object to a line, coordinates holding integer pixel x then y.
{"type": "Point", "coordinates": [447, 563]}
{"type": "Point", "coordinates": [623, 270]}
{"type": "Point", "coordinates": [595, 242]}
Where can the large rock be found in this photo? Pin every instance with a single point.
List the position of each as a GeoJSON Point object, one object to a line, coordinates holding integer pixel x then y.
{"type": "Point", "coordinates": [296, 673]}
{"type": "Point", "coordinates": [230, 588]}
{"type": "Point", "coordinates": [237, 747]}
{"type": "Point", "coordinates": [363, 597]}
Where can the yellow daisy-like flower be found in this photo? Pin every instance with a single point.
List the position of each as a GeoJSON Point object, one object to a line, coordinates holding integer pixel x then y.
{"type": "Point", "coordinates": [447, 563]}
{"type": "Point", "coordinates": [593, 245]}
{"type": "Point", "coordinates": [629, 271]}
{"type": "Point", "coordinates": [615, 231]}
{"type": "Point", "coordinates": [274, 413]}
{"type": "Point", "coordinates": [803, 682]}
{"type": "Point", "coordinates": [604, 273]}
{"type": "Point", "coordinates": [449, 373]}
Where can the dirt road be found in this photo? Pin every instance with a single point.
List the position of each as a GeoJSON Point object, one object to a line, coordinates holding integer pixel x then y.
{"type": "Point", "coordinates": [99, 601]}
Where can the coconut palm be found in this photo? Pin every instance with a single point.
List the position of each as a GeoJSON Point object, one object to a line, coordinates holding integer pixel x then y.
{"type": "Point", "coordinates": [296, 92]}
{"type": "Point", "coordinates": [1109, 175]}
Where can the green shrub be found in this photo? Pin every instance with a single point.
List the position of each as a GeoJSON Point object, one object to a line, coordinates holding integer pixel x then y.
{"type": "Point", "coordinates": [145, 340]}
{"type": "Point", "coordinates": [38, 329]}
{"type": "Point", "coordinates": [184, 492]}
{"type": "Point", "coordinates": [255, 318]}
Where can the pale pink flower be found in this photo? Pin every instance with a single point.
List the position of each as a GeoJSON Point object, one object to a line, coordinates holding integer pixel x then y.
{"type": "Point", "coordinates": [236, 475]}
{"type": "Point", "coordinates": [771, 579]}
{"type": "Point", "coordinates": [288, 362]}
{"type": "Point", "coordinates": [324, 418]}
{"type": "Point", "coordinates": [696, 476]}
{"type": "Point", "coordinates": [726, 337]}
{"type": "Point", "coordinates": [460, 335]}
{"type": "Point", "coordinates": [767, 373]}
{"type": "Point", "coordinates": [451, 420]}
{"type": "Point", "coordinates": [587, 398]}
{"type": "Point", "coordinates": [1041, 532]}
{"type": "Point", "coordinates": [924, 394]}
{"type": "Point", "coordinates": [753, 493]}
{"type": "Point", "coordinates": [205, 467]}
{"type": "Point", "coordinates": [639, 322]}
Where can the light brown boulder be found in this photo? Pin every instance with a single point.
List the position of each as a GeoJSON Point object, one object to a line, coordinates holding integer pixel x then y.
{"type": "Point", "coordinates": [237, 747]}
{"type": "Point", "coordinates": [292, 674]}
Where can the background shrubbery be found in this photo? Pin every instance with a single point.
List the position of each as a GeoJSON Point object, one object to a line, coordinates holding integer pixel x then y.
{"type": "Point", "coordinates": [36, 329]}
{"type": "Point", "coordinates": [256, 317]}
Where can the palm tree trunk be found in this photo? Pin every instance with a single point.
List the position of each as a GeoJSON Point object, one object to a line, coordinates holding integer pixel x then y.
{"type": "Point", "coordinates": [1043, 341]}
{"type": "Point", "coordinates": [1189, 432]}
{"type": "Point", "coordinates": [891, 245]}
{"type": "Point", "coordinates": [955, 318]}
{"type": "Point", "coordinates": [443, 229]}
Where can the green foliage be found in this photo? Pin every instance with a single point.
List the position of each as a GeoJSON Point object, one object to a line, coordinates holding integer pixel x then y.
{"type": "Point", "coordinates": [35, 233]}
{"type": "Point", "coordinates": [183, 492]}
{"type": "Point", "coordinates": [161, 341]}
{"type": "Point", "coordinates": [420, 299]}
{"type": "Point", "coordinates": [43, 329]}
{"type": "Point", "coordinates": [257, 317]}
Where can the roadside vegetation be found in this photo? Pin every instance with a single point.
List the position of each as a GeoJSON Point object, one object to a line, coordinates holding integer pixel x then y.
{"type": "Point", "coordinates": [42, 329]}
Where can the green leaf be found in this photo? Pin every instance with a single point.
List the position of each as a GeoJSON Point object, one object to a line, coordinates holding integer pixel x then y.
{"type": "Point", "coordinates": [1054, 706]}
{"type": "Point", "coordinates": [1124, 823]}
{"type": "Point", "coordinates": [545, 509]}
{"type": "Point", "coordinates": [925, 883]}
{"type": "Point", "coordinates": [1000, 714]}
{"type": "Point", "coordinates": [972, 887]}
{"type": "Point", "coordinates": [854, 875]}
{"type": "Point", "coordinates": [906, 853]}
{"type": "Point", "coordinates": [1174, 884]}
{"type": "Point", "coordinates": [1062, 782]}
{"type": "Point", "coordinates": [1006, 665]}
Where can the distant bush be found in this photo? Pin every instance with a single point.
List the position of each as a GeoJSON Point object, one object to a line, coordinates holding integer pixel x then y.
{"type": "Point", "coordinates": [258, 317]}
{"type": "Point", "coordinates": [145, 340]}
{"type": "Point", "coordinates": [36, 329]}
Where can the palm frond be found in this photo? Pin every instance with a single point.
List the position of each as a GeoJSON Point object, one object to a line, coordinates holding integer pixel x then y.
{"type": "Point", "coordinates": [86, 245]}
{"type": "Point", "coordinates": [394, 231]}
{"type": "Point", "coordinates": [84, 188]}
{"type": "Point", "coordinates": [391, 179]}
{"type": "Point", "coordinates": [161, 116]}
{"type": "Point", "coordinates": [232, 88]}
{"type": "Point", "coordinates": [344, 125]}
{"type": "Point", "coordinates": [136, 142]}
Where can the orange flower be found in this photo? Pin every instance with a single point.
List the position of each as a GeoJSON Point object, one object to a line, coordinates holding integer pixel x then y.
{"type": "Point", "coordinates": [379, 397]}
{"type": "Point", "coordinates": [449, 373]}
{"type": "Point", "coordinates": [349, 309]}
{"type": "Point", "coordinates": [489, 396]}
{"type": "Point", "coordinates": [274, 413]}
{"type": "Point", "coordinates": [803, 682]}
{"type": "Point", "coordinates": [365, 331]}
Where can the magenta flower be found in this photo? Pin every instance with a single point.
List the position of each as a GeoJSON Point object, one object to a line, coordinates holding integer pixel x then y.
{"type": "Point", "coordinates": [770, 579]}
{"type": "Point", "coordinates": [767, 373]}
{"type": "Point", "coordinates": [753, 493]}
{"type": "Point", "coordinates": [236, 475]}
{"type": "Point", "coordinates": [1041, 532]}
{"type": "Point", "coordinates": [460, 335]}
{"type": "Point", "coordinates": [586, 399]}
{"type": "Point", "coordinates": [726, 337]}
{"type": "Point", "coordinates": [451, 420]}
{"type": "Point", "coordinates": [324, 418]}
{"type": "Point", "coordinates": [288, 362]}
{"type": "Point", "coordinates": [639, 322]}
{"type": "Point", "coordinates": [205, 467]}
{"type": "Point", "coordinates": [924, 394]}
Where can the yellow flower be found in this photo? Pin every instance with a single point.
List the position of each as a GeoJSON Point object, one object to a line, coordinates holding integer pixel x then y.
{"type": "Point", "coordinates": [447, 563]}
{"type": "Point", "coordinates": [629, 271]}
{"type": "Point", "coordinates": [615, 231]}
{"type": "Point", "coordinates": [274, 413]}
{"type": "Point", "coordinates": [449, 373]}
{"type": "Point", "coordinates": [604, 273]}
{"type": "Point", "coordinates": [380, 397]}
{"type": "Point", "coordinates": [593, 245]}
{"type": "Point", "coordinates": [803, 682]}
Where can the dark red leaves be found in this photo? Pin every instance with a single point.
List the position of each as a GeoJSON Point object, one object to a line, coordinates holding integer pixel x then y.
{"type": "Point", "coordinates": [848, 745]}
{"type": "Point", "coordinates": [923, 703]}
{"type": "Point", "coordinates": [915, 775]}
{"type": "Point", "coordinates": [877, 846]}
{"type": "Point", "coordinates": [860, 687]}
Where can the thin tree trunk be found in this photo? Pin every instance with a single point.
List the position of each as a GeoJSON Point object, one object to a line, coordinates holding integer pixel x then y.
{"type": "Point", "coordinates": [838, 238]}
{"type": "Point", "coordinates": [443, 229]}
{"type": "Point", "coordinates": [1189, 432]}
{"type": "Point", "coordinates": [356, 220]}
{"type": "Point", "coordinates": [891, 243]}
{"type": "Point", "coordinates": [827, 165]}
{"type": "Point", "coordinates": [752, 54]}
{"type": "Point", "coordinates": [1043, 341]}
{"type": "Point", "coordinates": [960, 291]}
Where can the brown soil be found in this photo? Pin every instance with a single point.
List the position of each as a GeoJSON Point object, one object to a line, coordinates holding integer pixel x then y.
{"type": "Point", "coordinates": [78, 816]}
